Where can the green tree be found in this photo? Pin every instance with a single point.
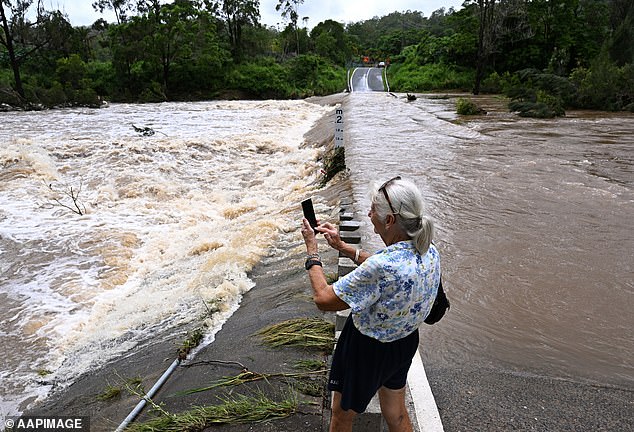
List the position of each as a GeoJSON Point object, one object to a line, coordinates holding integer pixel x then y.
{"type": "Point", "coordinates": [290, 11]}
{"type": "Point", "coordinates": [120, 8]}
{"type": "Point", "coordinates": [387, 36]}
{"type": "Point", "coordinates": [330, 41]}
{"type": "Point", "coordinates": [238, 14]}
{"type": "Point", "coordinates": [552, 23]}
{"type": "Point", "coordinates": [621, 42]}
{"type": "Point", "coordinates": [17, 37]}
{"type": "Point", "coordinates": [166, 49]}
{"type": "Point", "coordinates": [499, 22]}
{"type": "Point", "coordinates": [71, 70]}
{"type": "Point", "coordinates": [61, 40]}
{"type": "Point", "coordinates": [173, 36]}
{"type": "Point", "coordinates": [294, 40]}
{"type": "Point", "coordinates": [259, 41]}
{"type": "Point", "coordinates": [314, 75]}
{"type": "Point", "coordinates": [590, 30]}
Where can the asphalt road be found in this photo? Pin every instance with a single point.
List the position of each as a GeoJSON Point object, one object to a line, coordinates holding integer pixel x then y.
{"type": "Point", "coordinates": [365, 79]}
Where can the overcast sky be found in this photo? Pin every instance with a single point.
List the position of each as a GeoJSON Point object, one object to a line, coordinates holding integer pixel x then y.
{"type": "Point", "coordinates": [80, 12]}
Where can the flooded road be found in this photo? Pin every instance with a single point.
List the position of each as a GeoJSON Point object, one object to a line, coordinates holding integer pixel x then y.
{"type": "Point", "coordinates": [366, 79]}
{"type": "Point", "coordinates": [534, 223]}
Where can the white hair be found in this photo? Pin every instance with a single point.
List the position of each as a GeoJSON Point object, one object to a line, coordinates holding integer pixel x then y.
{"type": "Point", "coordinates": [407, 202]}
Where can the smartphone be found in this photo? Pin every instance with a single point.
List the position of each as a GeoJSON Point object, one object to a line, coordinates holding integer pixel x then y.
{"type": "Point", "coordinates": [309, 214]}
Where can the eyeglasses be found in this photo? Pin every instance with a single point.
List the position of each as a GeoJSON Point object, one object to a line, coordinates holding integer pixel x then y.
{"type": "Point", "coordinates": [383, 189]}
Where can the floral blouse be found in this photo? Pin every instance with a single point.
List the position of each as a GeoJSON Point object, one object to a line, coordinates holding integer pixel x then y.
{"type": "Point", "coordinates": [392, 291]}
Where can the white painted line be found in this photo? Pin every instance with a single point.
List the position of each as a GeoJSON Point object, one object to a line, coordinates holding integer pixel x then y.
{"type": "Point", "coordinates": [351, 77]}
{"type": "Point", "coordinates": [387, 84]}
{"type": "Point", "coordinates": [427, 414]}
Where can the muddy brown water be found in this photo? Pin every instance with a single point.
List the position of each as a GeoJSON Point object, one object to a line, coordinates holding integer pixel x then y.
{"type": "Point", "coordinates": [535, 222]}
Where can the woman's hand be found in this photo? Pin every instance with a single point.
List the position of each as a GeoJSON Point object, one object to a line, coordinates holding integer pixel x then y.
{"type": "Point", "coordinates": [331, 234]}
{"type": "Point", "coordinates": [309, 237]}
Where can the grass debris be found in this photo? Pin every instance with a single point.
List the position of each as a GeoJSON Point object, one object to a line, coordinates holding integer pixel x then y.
{"type": "Point", "coordinates": [247, 376]}
{"type": "Point", "coordinates": [109, 393]}
{"type": "Point", "coordinates": [312, 333]}
{"type": "Point", "coordinates": [310, 365]}
{"type": "Point", "coordinates": [243, 377]}
{"type": "Point", "coordinates": [334, 162]}
{"type": "Point", "coordinates": [310, 386]}
{"type": "Point", "coordinates": [237, 409]}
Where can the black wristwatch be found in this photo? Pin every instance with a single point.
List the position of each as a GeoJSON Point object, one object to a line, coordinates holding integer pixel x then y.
{"type": "Point", "coordinates": [312, 262]}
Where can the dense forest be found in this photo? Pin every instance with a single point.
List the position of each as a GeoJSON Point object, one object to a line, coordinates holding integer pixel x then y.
{"type": "Point", "coordinates": [546, 55]}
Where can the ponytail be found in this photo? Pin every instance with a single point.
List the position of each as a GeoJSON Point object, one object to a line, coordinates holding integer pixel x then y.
{"type": "Point", "coordinates": [408, 201]}
{"type": "Point", "coordinates": [423, 237]}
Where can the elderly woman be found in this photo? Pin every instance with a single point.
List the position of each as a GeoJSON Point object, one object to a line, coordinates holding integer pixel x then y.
{"type": "Point", "coordinates": [389, 294]}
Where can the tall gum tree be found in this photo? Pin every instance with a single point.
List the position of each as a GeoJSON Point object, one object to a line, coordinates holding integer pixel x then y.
{"type": "Point", "coordinates": [237, 14]}
{"type": "Point", "coordinates": [119, 7]}
{"type": "Point", "coordinates": [499, 21]}
{"type": "Point", "coordinates": [16, 36]}
{"type": "Point", "coordinates": [290, 11]}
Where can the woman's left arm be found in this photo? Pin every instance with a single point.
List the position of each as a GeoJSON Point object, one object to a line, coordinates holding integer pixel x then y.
{"type": "Point", "coordinates": [323, 294]}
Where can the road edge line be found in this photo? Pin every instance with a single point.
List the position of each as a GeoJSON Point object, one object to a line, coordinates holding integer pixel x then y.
{"type": "Point", "coordinates": [427, 415]}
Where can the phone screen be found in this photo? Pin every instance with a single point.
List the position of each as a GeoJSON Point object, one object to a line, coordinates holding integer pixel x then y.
{"type": "Point", "coordinates": [309, 213]}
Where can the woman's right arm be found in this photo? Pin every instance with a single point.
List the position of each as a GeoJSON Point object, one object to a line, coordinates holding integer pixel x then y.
{"type": "Point", "coordinates": [331, 234]}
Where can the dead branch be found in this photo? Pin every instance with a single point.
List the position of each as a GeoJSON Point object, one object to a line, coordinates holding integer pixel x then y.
{"type": "Point", "coordinates": [73, 194]}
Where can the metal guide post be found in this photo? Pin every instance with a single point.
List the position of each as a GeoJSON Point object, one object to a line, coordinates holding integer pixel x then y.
{"type": "Point", "coordinates": [338, 127]}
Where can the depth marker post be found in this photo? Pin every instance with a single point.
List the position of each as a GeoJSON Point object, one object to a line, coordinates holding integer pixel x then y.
{"type": "Point", "coordinates": [338, 127]}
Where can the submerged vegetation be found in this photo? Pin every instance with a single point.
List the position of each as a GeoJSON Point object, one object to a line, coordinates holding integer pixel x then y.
{"type": "Point", "coordinates": [579, 53]}
{"type": "Point", "coordinates": [334, 162]}
{"type": "Point", "coordinates": [468, 107]}
{"type": "Point", "coordinates": [110, 392]}
{"type": "Point", "coordinates": [192, 341]}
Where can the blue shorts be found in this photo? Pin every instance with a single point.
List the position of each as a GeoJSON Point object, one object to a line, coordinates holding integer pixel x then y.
{"type": "Point", "coordinates": [362, 365]}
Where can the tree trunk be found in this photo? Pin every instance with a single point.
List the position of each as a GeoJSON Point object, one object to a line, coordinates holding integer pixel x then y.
{"type": "Point", "coordinates": [485, 40]}
{"type": "Point", "coordinates": [15, 63]}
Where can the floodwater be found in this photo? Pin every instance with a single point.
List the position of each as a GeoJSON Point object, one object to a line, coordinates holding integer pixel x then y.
{"type": "Point", "coordinates": [535, 224]}
{"type": "Point", "coordinates": [173, 224]}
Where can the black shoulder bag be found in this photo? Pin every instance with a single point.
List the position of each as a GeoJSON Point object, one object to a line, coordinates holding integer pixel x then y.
{"type": "Point", "coordinates": [440, 306]}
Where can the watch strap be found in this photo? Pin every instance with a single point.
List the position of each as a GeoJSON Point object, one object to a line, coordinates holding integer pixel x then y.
{"type": "Point", "coordinates": [312, 262]}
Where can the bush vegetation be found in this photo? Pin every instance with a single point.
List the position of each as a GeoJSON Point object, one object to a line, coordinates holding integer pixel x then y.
{"type": "Point", "coordinates": [413, 78]}
{"type": "Point", "coordinates": [467, 107]}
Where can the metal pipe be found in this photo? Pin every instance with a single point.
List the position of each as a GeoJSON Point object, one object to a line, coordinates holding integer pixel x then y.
{"type": "Point", "coordinates": [149, 395]}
